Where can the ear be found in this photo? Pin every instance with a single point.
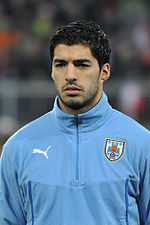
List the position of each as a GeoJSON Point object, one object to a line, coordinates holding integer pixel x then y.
{"type": "Point", "coordinates": [52, 76]}
{"type": "Point", "coordinates": [105, 71]}
{"type": "Point", "coordinates": [52, 72]}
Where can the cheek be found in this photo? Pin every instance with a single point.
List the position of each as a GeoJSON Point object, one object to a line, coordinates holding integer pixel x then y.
{"type": "Point", "coordinates": [58, 81]}
{"type": "Point", "coordinates": [54, 76]}
{"type": "Point", "coordinates": [55, 73]}
{"type": "Point", "coordinates": [93, 80]}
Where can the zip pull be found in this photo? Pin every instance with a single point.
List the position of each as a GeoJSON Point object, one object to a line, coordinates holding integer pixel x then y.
{"type": "Point", "coordinates": [76, 120]}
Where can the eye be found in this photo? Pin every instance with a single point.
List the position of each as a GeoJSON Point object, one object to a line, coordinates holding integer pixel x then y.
{"type": "Point", "coordinates": [60, 65]}
{"type": "Point", "coordinates": [81, 65]}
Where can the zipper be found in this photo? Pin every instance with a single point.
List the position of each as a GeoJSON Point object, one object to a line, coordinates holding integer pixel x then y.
{"type": "Point", "coordinates": [31, 202]}
{"type": "Point", "coordinates": [77, 153]}
{"type": "Point", "coordinates": [127, 201]}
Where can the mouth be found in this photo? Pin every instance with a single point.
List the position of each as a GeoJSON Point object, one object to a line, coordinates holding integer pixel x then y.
{"type": "Point", "coordinates": [72, 90]}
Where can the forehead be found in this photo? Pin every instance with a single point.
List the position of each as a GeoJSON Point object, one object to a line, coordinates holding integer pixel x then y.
{"type": "Point", "coordinates": [76, 51]}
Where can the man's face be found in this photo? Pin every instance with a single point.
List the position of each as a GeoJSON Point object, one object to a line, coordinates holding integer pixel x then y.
{"type": "Point", "coordinates": [77, 77]}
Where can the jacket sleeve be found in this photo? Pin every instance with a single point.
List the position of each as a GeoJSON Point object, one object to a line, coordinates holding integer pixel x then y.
{"type": "Point", "coordinates": [11, 203]}
{"type": "Point", "coordinates": [144, 197]}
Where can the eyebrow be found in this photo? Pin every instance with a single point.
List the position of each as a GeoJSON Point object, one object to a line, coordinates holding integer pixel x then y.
{"type": "Point", "coordinates": [82, 61]}
{"type": "Point", "coordinates": [59, 60]}
{"type": "Point", "coordinates": [74, 61]}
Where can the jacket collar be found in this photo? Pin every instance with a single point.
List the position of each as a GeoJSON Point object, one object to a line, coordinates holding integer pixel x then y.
{"type": "Point", "coordinates": [88, 121]}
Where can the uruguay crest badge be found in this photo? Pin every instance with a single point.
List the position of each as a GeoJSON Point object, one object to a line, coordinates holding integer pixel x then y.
{"type": "Point", "coordinates": [114, 149]}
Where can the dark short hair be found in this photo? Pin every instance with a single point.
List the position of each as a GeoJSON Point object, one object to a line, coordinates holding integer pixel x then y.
{"type": "Point", "coordinates": [86, 33]}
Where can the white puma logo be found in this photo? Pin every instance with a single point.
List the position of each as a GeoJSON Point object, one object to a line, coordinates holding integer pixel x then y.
{"type": "Point", "coordinates": [35, 150]}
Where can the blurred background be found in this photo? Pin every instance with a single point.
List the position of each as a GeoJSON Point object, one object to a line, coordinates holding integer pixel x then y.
{"type": "Point", "coordinates": [26, 88]}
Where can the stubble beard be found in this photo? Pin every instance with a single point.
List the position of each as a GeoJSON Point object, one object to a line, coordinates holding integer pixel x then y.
{"type": "Point", "coordinates": [77, 103]}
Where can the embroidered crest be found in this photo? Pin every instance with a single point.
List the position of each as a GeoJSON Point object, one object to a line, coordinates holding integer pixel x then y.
{"type": "Point", "coordinates": [114, 149]}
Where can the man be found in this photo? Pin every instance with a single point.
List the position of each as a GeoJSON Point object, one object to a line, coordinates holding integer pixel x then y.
{"type": "Point", "coordinates": [83, 163]}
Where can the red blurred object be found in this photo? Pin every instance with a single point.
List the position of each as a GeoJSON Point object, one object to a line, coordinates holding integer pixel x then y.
{"type": "Point", "coordinates": [8, 39]}
{"type": "Point", "coordinates": [146, 57]}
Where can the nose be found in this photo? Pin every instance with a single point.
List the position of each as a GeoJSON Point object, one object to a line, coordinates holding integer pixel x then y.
{"type": "Point", "coordinates": [71, 72]}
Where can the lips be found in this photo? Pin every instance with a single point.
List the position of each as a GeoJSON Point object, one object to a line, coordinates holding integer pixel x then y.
{"type": "Point", "coordinates": [72, 90]}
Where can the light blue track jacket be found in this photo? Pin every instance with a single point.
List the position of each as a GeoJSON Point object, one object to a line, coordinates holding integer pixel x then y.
{"type": "Point", "coordinates": [90, 169]}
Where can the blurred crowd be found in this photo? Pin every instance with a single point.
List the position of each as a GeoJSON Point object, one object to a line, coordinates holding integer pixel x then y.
{"type": "Point", "coordinates": [26, 25]}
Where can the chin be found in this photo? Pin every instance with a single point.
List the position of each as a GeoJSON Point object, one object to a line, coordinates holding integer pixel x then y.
{"type": "Point", "coordinates": [74, 104]}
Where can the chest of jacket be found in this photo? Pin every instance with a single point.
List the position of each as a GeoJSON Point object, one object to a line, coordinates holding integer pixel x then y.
{"type": "Point", "coordinates": [79, 175]}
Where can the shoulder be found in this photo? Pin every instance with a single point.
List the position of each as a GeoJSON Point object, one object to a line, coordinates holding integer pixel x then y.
{"type": "Point", "coordinates": [34, 130]}
{"type": "Point", "coordinates": [130, 130]}
{"type": "Point", "coordinates": [128, 124]}
{"type": "Point", "coordinates": [136, 136]}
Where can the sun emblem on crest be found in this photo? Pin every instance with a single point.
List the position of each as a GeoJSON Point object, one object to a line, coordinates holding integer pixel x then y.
{"type": "Point", "coordinates": [114, 149]}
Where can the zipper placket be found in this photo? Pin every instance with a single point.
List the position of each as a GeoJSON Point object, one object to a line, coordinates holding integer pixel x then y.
{"type": "Point", "coordinates": [77, 152]}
